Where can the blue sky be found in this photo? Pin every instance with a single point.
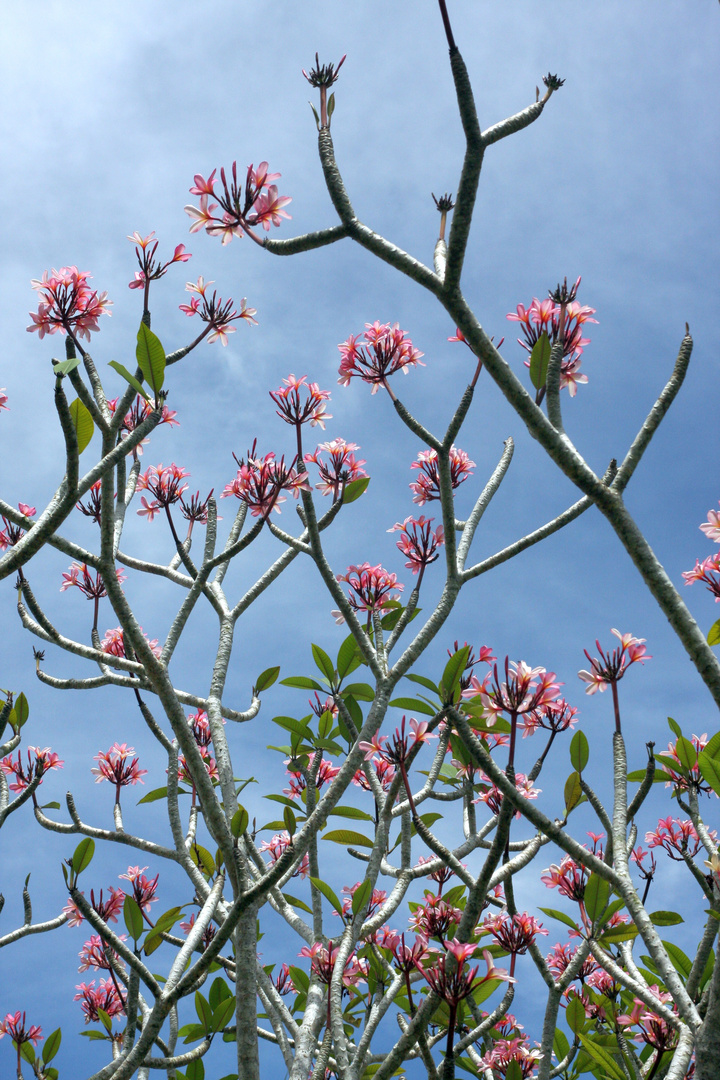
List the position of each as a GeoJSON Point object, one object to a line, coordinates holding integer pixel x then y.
{"type": "Point", "coordinates": [114, 110]}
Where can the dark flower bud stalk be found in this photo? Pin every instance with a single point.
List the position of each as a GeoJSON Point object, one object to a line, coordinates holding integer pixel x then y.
{"type": "Point", "coordinates": [322, 76]}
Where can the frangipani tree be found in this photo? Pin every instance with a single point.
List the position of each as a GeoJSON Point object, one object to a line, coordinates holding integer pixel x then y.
{"type": "Point", "coordinates": [360, 977]}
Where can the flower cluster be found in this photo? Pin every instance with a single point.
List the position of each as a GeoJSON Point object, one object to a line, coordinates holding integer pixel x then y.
{"type": "Point", "coordinates": [164, 482]}
{"type": "Point", "coordinates": [611, 666]}
{"type": "Point", "coordinates": [104, 997]}
{"type": "Point", "coordinates": [12, 533]}
{"type": "Point", "coordinates": [14, 1026]}
{"type": "Point", "coordinates": [67, 303]}
{"type": "Point", "coordinates": [294, 410]}
{"type": "Point", "coordinates": [150, 268]}
{"type": "Point", "coordinates": [37, 765]}
{"type": "Point", "coordinates": [93, 587]}
{"type": "Point", "coordinates": [260, 480]}
{"type": "Point", "coordinates": [418, 542]}
{"type": "Point", "coordinates": [322, 963]}
{"type": "Point", "coordinates": [426, 487]}
{"type": "Point", "coordinates": [384, 349]}
{"type": "Point", "coordinates": [322, 770]}
{"type": "Point", "coordinates": [114, 643]}
{"type": "Point", "coordinates": [676, 837]}
{"type": "Point", "coordinates": [278, 845]}
{"type": "Point", "coordinates": [114, 765]}
{"type": "Point", "coordinates": [524, 690]}
{"type": "Point", "coordinates": [371, 587]}
{"type": "Point", "coordinates": [242, 207]}
{"type": "Point", "coordinates": [216, 313]}
{"type": "Point", "coordinates": [340, 470]}
{"type": "Point", "coordinates": [558, 322]}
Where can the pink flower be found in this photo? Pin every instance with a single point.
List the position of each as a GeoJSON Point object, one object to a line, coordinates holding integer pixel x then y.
{"type": "Point", "coordinates": [91, 587]}
{"type": "Point", "coordinates": [44, 760]}
{"type": "Point", "coordinates": [418, 542]}
{"type": "Point", "coordinates": [113, 765]}
{"type": "Point", "coordinates": [294, 411]}
{"type": "Point", "coordinates": [14, 1026]}
{"type": "Point", "coordinates": [67, 303]}
{"type": "Point", "coordinates": [708, 571]}
{"type": "Point", "coordinates": [218, 314]}
{"type": "Point", "coordinates": [543, 317]}
{"type": "Point", "coordinates": [144, 889]}
{"type": "Point", "coordinates": [12, 533]}
{"type": "Point", "coordinates": [386, 349]}
{"type": "Point", "coordinates": [3, 398]}
{"type": "Point", "coordinates": [524, 690]}
{"type": "Point", "coordinates": [426, 487]}
{"type": "Point", "coordinates": [260, 480]}
{"type": "Point", "coordinates": [342, 468]}
{"type": "Point", "coordinates": [711, 527]}
{"type": "Point", "coordinates": [677, 838]}
{"type": "Point", "coordinates": [105, 997]}
{"type": "Point", "coordinates": [150, 268]}
{"type": "Point", "coordinates": [114, 643]}
{"type": "Point", "coordinates": [611, 667]}
{"type": "Point", "coordinates": [370, 587]}
{"type": "Point", "coordinates": [514, 933]}
{"type": "Point", "coordinates": [241, 208]}
{"type": "Point", "coordinates": [278, 845]}
{"type": "Point", "coordinates": [96, 954]}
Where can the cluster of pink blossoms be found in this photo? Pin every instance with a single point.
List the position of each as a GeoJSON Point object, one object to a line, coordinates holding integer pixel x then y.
{"type": "Point", "coordinates": [114, 643]}
{"type": "Point", "coordinates": [340, 470]}
{"type": "Point", "coordinates": [418, 542]}
{"type": "Point", "coordinates": [610, 667]}
{"type": "Point", "coordinates": [217, 314]}
{"type": "Point", "coordinates": [371, 588]}
{"type": "Point", "coordinates": [708, 571]}
{"type": "Point", "coordinates": [426, 487]}
{"type": "Point", "coordinates": [384, 349]}
{"type": "Point", "coordinates": [260, 481]}
{"type": "Point", "coordinates": [278, 845]}
{"type": "Point", "coordinates": [321, 769]}
{"type": "Point", "coordinates": [10, 535]}
{"type": "Point", "coordinates": [114, 765]}
{"type": "Point", "coordinates": [42, 760]}
{"type": "Point", "coordinates": [299, 402]}
{"type": "Point", "coordinates": [3, 399]}
{"type": "Point", "coordinates": [103, 997]}
{"type": "Point", "coordinates": [242, 207]}
{"type": "Point", "coordinates": [543, 317]}
{"type": "Point", "coordinates": [151, 268]}
{"type": "Point", "coordinates": [67, 303]}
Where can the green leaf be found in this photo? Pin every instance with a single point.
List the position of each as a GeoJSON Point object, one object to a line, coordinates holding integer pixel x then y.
{"type": "Point", "coordinates": [21, 710]}
{"type": "Point", "coordinates": [239, 823]}
{"type": "Point", "coordinates": [414, 705]}
{"type": "Point", "coordinates": [64, 367]}
{"type": "Point", "coordinates": [561, 916]}
{"type": "Point", "coordinates": [713, 745]}
{"type": "Point", "coordinates": [195, 1070]}
{"type": "Point", "coordinates": [133, 917]}
{"type": "Point", "coordinates": [427, 683]}
{"type": "Point", "coordinates": [710, 769]}
{"type": "Point", "coordinates": [686, 752]}
{"type": "Point", "coordinates": [150, 356]}
{"type": "Point", "coordinates": [665, 918]}
{"type": "Point", "coordinates": [204, 1012]}
{"type": "Point", "coordinates": [153, 796]}
{"type": "Point", "coordinates": [575, 1014]}
{"type": "Point", "coordinates": [428, 821]}
{"type": "Point", "coordinates": [622, 932]}
{"type": "Point", "coordinates": [361, 691]}
{"type": "Point", "coordinates": [355, 489]}
{"type": "Point", "coordinates": [513, 1070]}
{"type": "Point", "coordinates": [82, 856]}
{"type": "Point", "coordinates": [674, 727]}
{"type": "Point", "coordinates": [351, 812]}
{"type": "Point", "coordinates": [290, 820]}
{"type": "Point", "coordinates": [678, 959]}
{"type": "Point", "coordinates": [219, 991]}
{"type": "Point", "coordinates": [454, 668]}
{"type": "Point", "coordinates": [323, 663]}
{"type": "Point", "coordinates": [348, 657]}
{"type": "Point", "coordinates": [223, 1014]}
{"type": "Point", "coordinates": [539, 360]}
{"type": "Point", "coordinates": [573, 792]}
{"type": "Point", "coordinates": [163, 925]}
{"type": "Point", "coordinates": [301, 682]}
{"type": "Point", "coordinates": [670, 764]}
{"type": "Point", "coordinates": [601, 1056]}
{"type": "Point", "coordinates": [294, 902]}
{"type": "Point", "coordinates": [327, 893]}
{"type": "Point", "coordinates": [579, 751]}
{"type": "Point", "coordinates": [265, 680]}
{"type": "Point", "coordinates": [597, 894]}
{"type": "Point", "coordinates": [300, 978]}
{"type": "Point", "coordinates": [561, 1046]}
{"type": "Point", "coordinates": [347, 836]}
{"type": "Point", "coordinates": [361, 896]}
{"type": "Point", "coordinates": [121, 370]}
{"type": "Point", "coordinates": [713, 635]}
{"type": "Point", "coordinates": [27, 1051]}
{"type": "Point", "coordinates": [202, 859]}
{"type": "Point", "coordinates": [52, 1045]}
{"type": "Point", "coordinates": [82, 422]}
{"type": "Point", "coordinates": [105, 1020]}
